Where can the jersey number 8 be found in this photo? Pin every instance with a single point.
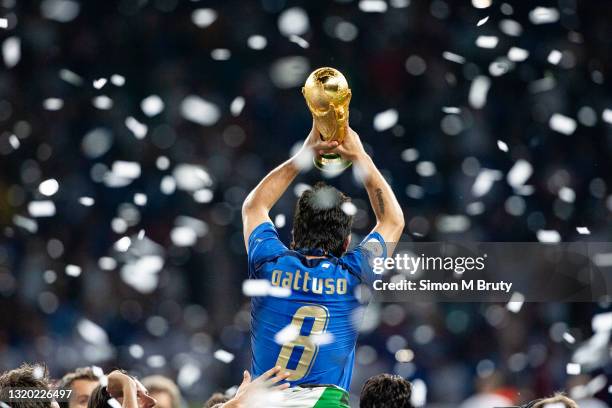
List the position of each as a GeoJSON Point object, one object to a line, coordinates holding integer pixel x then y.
{"type": "Point", "coordinates": [307, 342]}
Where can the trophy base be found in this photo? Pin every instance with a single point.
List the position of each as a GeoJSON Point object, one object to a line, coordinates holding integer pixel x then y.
{"type": "Point", "coordinates": [331, 162]}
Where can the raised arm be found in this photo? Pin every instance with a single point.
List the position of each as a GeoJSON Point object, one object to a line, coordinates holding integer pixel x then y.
{"type": "Point", "coordinates": [389, 215]}
{"type": "Point", "coordinates": [259, 202]}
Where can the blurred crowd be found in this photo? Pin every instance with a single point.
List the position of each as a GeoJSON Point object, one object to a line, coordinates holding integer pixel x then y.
{"type": "Point", "coordinates": [132, 130]}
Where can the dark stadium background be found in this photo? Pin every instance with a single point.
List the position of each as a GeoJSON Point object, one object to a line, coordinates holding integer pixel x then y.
{"type": "Point", "coordinates": [394, 60]}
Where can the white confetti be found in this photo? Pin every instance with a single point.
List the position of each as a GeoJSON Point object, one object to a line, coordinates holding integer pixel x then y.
{"type": "Point", "coordinates": [569, 338]}
{"type": "Point", "coordinates": [123, 244]}
{"type": "Point", "coordinates": [237, 105]}
{"type": "Point", "coordinates": [11, 51]}
{"type": "Point", "coordinates": [86, 201]}
{"type": "Point", "coordinates": [583, 230]}
{"type": "Point", "coordinates": [287, 334]}
{"type": "Point", "coordinates": [14, 142]}
{"type": "Point", "coordinates": [562, 124]}
{"type": "Point", "coordinates": [188, 375]}
{"type": "Point", "coordinates": [517, 54]}
{"type": "Point", "coordinates": [257, 42]}
{"type": "Point", "coordinates": [372, 6]}
{"type": "Point", "coordinates": [102, 102]}
{"type": "Point", "coordinates": [418, 397]}
{"type": "Point", "coordinates": [296, 39]}
{"type": "Point", "coordinates": [484, 181]}
{"type": "Point", "coordinates": [136, 351]}
{"type": "Point", "coordinates": [385, 120]}
{"type": "Point", "coordinates": [349, 208]}
{"type": "Point", "coordinates": [549, 236]}
{"type": "Point", "coordinates": [41, 209]}
{"type": "Point", "coordinates": [224, 356]}
{"type": "Point", "coordinates": [200, 111]}
{"type": "Point", "coordinates": [280, 220]}
{"type": "Point", "coordinates": [478, 91]}
{"type": "Point", "coordinates": [572, 369]}
{"type": "Point", "coordinates": [487, 41]}
{"type": "Point", "coordinates": [28, 224]}
{"type": "Point", "coordinates": [481, 4]}
{"type": "Point", "coordinates": [48, 187]}
{"type": "Point", "coordinates": [606, 116]}
{"type": "Point", "coordinates": [99, 83]}
{"type": "Point", "coordinates": [511, 27]}
{"type": "Point", "coordinates": [91, 332]}
{"type": "Point", "coordinates": [482, 21]}
{"type": "Point", "coordinates": [70, 77]}
{"type": "Point", "coordinates": [203, 196]}
{"type": "Point", "coordinates": [137, 128]}
{"type": "Point", "coordinates": [62, 11]}
{"type": "Point", "coordinates": [515, 304]}
{"type": "Point", "coordinates": [220, 54]}
{"type": "Point", "coordinates": [289, 72]}
{"type": "Point", "coordinates": [117, 80]}
{"type": "Point", "coordinates": [567, 194]}
{"type": "Point", "coordinates": [501, 145]}
{"type": "Point", "coordinates": [293, 21]}
{"type": "Point", "coordinates": [140, 199]}
{"type": "Point", "coordinates": [255, 287]}
{"type": "Point", "coordinates": [73, 270]}
{"type": "Point", "coordinates": [126, 169]}
{"type": "Point", "coordinates": [53, 104]}
{"type": "Point", "coordinates": [543, 15]}
{"type": "Point", "coordinates": [519, 173]}
{"type": "Point", "coordinates": [191, 177]}
{"type": "Point", "coordinates": [451, 110]}
{"type": "Point", "coordinates": [554, 57]}
{"type": "Point", "coordinates": [3, 23]}
{"type": "Point", "coordinates": [602, 322]}
{"type": "Point", "coordinates": [451, 56]}
{"type": "Point", "coordinates": [183, 236]}
{"type": "Point", "coordinates": [203, 17]}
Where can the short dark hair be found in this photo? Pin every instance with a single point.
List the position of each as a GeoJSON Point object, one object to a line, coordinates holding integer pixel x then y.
{"type": "Point", "coordinates": [26, 376]}
{"type": "Point", "coordinates": [215, 399]}
{"type": "Point", "coordinates": [99, 398]}
{"type": "Point", "coordinates": [320, 220]}
{"type": "Point", "coordinates": [386, 391]}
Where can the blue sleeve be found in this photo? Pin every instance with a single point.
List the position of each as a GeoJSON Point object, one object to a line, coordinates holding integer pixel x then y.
{"type": "Point", "coordinates": [264, 246]}
{"type": "Point", "coordinates": [360, 260]}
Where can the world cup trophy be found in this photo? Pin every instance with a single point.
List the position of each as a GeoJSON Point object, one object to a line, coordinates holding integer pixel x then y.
{"type": "Point", "coordinates": [328, 96]}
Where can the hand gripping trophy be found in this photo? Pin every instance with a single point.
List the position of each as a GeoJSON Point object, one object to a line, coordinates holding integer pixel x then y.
{"type": "Point", "coordinates": [328, 96]}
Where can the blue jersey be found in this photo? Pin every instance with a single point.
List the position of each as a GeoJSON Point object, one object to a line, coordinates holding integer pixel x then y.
{"type": "Point", "coordinates": [309, 325]}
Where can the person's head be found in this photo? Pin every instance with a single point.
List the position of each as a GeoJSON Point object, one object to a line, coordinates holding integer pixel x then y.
{"type": "Point", "coordinates": [26, 376]}
{"type": "Point", "coordinates": [164, 390]}
{"type": "Point", "coordinates": [82, 382]}
{"type": "Point", "coordinates": [100, 397]}
{"type": "Point", "coordinates": [322, 220]}
{"type": "Point", "coordinates": [386, 391]}
{"type": "Point", "coordinates": [215, 399]}
{"type": "Point", "coordinates": [558, 400]}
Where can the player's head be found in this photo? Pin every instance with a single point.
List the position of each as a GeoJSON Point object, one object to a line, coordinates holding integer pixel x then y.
{"type": "Point", "coordinates": [321, 221]}
{"type": "Point", "coordinates": [164, 390]}
{"type": "Point", "coordinates": [100, 397]}
{"type": "Point", "coordinates": [386, 391]}
{"type": "Point", "coordinates": [559, 400]}
{"type": "Point", "coordinates": [216, 399]}
{"type": "Point", "coordinates": [82, 382]}
{"type": "Point", "coordinates": [26, 376]}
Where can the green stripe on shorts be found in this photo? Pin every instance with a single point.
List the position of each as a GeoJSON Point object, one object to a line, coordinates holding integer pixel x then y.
{"type": "Point", "coordinates": [333, 397]}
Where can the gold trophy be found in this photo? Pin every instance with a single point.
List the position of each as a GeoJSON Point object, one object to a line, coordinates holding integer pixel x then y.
{"type": "Point", "coordinates": [328, 96]}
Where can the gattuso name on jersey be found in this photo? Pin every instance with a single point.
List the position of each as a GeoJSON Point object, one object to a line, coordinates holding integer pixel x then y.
{"type": "Point", "coordinates": [303, 282]}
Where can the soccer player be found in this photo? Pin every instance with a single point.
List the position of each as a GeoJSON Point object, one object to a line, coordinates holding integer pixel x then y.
{"type": "Point", "coordinates": [82, 382]}
{"type": "Point", "coordinates": [319, 316]}
{"type": "Point", "coordinates": [386, 391]}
